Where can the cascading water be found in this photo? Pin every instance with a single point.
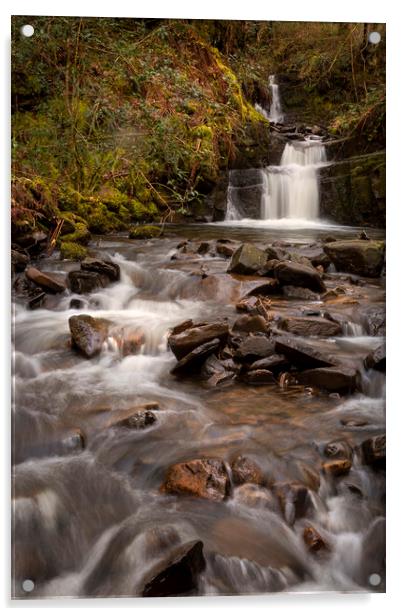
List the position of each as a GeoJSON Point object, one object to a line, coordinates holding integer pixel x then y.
{"type": "Point", "coordinates": [292, 188]}
{"type": "Point", "coordinates": [275, 113]}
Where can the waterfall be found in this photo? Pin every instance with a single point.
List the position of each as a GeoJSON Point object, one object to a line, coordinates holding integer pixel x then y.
{"type": "Point", "coordinates": [275, 111]}
{"type": "Point", "coordinates": [291, 190]}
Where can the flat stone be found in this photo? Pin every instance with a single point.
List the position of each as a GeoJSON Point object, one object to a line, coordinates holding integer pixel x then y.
{"type": "Point", "coordinates": [274, 363]}
{"type": "Point", "coordinates": [100, 266]}
{"type": "Point", "coordinates": [196, 357]}
{"type": "Point", "coordinates": [341, 380]}
{"type": "Point", "coordinates": [254, 347]}
{"type": "Point", "coordinates": [48, 282]}
{"type": "Point", "coordinates": [301, 354]}
{"type": "Point", "coordinates": [310, 326]}
{"type": "Point", "coordinates": [293, 292]}
{"type": "Point", "coordinates": [187, 340]}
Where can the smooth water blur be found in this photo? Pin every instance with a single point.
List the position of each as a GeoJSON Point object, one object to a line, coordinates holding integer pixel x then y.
{"type": "Point", "coordinates": [91, 520]}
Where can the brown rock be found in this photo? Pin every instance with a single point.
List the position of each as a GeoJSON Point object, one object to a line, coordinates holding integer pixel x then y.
{"type": "Point", "coordinates": [178, 574]}
{"type": "Point", "coordinates": [190, 338]}
{"type": "Point", "coordinates": [373, 450]}
{"type": "Point", "coordinates": [224, 249]}
{"type": "Point", "coordinates": [245, 470]}
{"type": "Point", "coordinates": [249, 324]}
{"type": "Point", "coordinates": [254, 347]}
{"type": "Point", "coordinates": [88, 333]}
{"type": "Point", "coordinates": [336, 468]}
{"type": "Point", "coordinates": [86, 282]}
{"type": "Point", "coordinates": [274, 363]}
{"type": "Point", "coordinates": [298, 275]}
{"type": "Point", "coordinates": [361, 257]}
{"type": "Point", "coordinates": [293, 292]}
{"type": "Point", "coordinates": [48, 282]}
{"type": "Point", "coordinates": [376, 360]}
{"type": "Point", "coordinates": [100, 266]}
{"type": "Point", "coordinates": [259, 377]}
{"type": "Point", "coordinates": [247, 259]}
{"type": "Point", "coordinates": [310, 326]}
{"type": "Point", "coordinates": [313, 540]}
{"type": "Point", "coordinates": [194, 360]}
{"type": "Point", "coordinates": [203, 478]}
{"type": "Point", "coordinates": [338, 450]}
{"type": "Point", "coordinates": [294, 499]}
{"type": "Point", "coordinates": [302, 354]}
{"type": "Point", "coordinates": [341, 380]}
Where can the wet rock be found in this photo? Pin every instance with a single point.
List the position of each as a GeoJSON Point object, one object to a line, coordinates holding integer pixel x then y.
{"type": "Point", "coordinates": [269, 268]}
{"type": "Point", "coordinates": [299, 293]}
{"type": "Point", "coordinates": [187, 340]}
{"type": "Point", "coordinates": [298, 275]}
{"type": "Point", "coordinates": [178, 574]}
{"type": "Point", "coordinates": [247, 259]}
{"type": "Point", "coordinates": [373, 450]}
{"type": "Point", "coordinates": [76, 303]}
{"type": "Point", "coordinates": [34, 243]}
{"type": "Point", "coordinates": [374, 320]}
{"type": "Point", "coordinates": [218, 371]}
{"type": "Point", "coordinates": [362, 257]}
{"type": "Point", "coordinates": [342, 380]}
{"type": "Point", "coordinates": [259, 377]}
{"type": "Point", "coordinates": [336, 468]}
{"type": "Point", "coordinates": [376, 360]}
{"type": "Point", "coordinates": [253, 495]}
{"type": "Point", "coordinates": [313, 540]}
{"type": "Point", "coordinates": [203, 478]}
{"type": "Point", "coordinates": [224, 249]}
{"type": "Point", "coordinates": [193, 360]}
{"type": "Point", "coordinates": [48, 282]}
{"type": "Point", "coordinates": [37, 300]}
{"type": "Point", "coordinates": [270, 286]}
{"type": "Point", "coordinates": [317, 256]}
{"type": "Point", "coordinates": [137, 421]}
{"type": "Point", "coordinates": [302, 354]}
{"type": "Point", "coordinates": [19, 260]}
{"type": "Point", "coordinates": [245, 470]}
{"type": "Point", "coordinates": [274, 363]}
{"type": "Point", "coordinates": [294, 499]}
{"type": "Point", "coordinates": [132, 343]}
{"type": "Point", "coordinates": [338, 450]}
{"type": "Point", "coordinates": [88, 334]}
{"type": "Point", "coordinates": [310, 326]}
{"type": "Point", "coordinates": [253, 348]}
{"type": "Point", "coordinates": [181, 327]}
{"type": "Point", "coordinates": [203, 248]}
{"type": "Point", "coordinates": [85, 282]}
{"type": "Point", "coordinates": [275, 253]}
{"type": "Point", "coordinates": [251, 324]}
{"type": "Point", "coordinates": [107, 268]}
{"type": "Point", "coordinates": [301, 259]}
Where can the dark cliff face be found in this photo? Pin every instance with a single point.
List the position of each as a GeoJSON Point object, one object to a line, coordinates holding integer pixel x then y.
{"type": "Point", "coordinates": [353, 190]}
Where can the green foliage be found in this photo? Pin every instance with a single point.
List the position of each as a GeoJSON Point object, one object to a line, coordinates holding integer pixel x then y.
{"type": "Point", "coordinates": [72, 251]}
{"type": "Point", "coordinates": [144, 232]}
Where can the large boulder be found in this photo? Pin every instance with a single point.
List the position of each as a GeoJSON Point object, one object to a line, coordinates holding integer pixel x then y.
{"type": "Point", "coordinates": [310, 326]}
{"type": "Point", "coordinates": [88, 334]}
{"type": "Point", "coordinates": [299, 275]}
{"type": "Point", "coordinates": [333, 379]}
{"type": "Point", "coordinates": [178, 574]}
{"type": "Point", "coordinates": [247, 259]}
{"type": "Point", "coordinates": [100, 266]}
{"type": "Point", "coordinates": [302, 354]}
{"type": "Point", "coordinates": [48, 282]}
{"type": "Point", "coordinates": [362, 257]}
{"type": "Point", "coordinates": [183, 342]}
{"type": "Point", "coordinates": [203, 478]}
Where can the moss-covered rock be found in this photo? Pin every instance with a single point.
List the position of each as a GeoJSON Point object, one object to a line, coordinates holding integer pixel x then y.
{"type": "Point", "coordinates": [80, 235]}
{"type": "Point", "coordinates": [72, 251]}
{"type": "Point", "coordinates": [362, 257]}
{"type": "Point", "coordinates": [144, 232]}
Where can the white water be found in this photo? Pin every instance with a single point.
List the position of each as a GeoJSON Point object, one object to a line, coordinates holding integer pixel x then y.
{"type": "Point", "coordinates": [275, 111]}
{"type": "Point", "coordinates": [291, 190]}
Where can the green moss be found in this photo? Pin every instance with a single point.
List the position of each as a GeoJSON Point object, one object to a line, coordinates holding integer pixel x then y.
{"type": "Point", "coordinates": [142, 232]}
{"type": "Point", "coordinates": [80, 235]}
{"type": "Point", "coordinates": [72, 251]}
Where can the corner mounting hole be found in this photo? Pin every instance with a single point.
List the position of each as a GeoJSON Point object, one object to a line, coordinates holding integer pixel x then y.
{"type": "Point", "coordinates": [27, 30]}
{"type": "Point", "coordinates": [28, 585]}
{"type": "Point", "coordinates": [374, 38]}
{"type": "Point", "coordinates": [374, 579]}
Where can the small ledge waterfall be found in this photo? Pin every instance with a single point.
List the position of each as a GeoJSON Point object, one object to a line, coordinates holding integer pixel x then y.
{"type": "Point", "coordinates": [275, 113]}
{"type": "Point", "coordinates": [291, 190]}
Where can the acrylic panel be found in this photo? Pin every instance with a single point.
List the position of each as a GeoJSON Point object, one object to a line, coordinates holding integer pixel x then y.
{"type": "Point", "coordinates": [198, 304]}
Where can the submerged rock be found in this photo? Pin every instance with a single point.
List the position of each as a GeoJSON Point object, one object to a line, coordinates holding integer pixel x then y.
{"type": "Point", "coordinates": [342, 380]}
{"type": "Point", "coordinates": [245, 470]}
{"type": "Point", "coordinates": [203, 478]}
{"type": "Point", "coordinates": [178, 574]}
{"type": "Point", "coordinates": [137, 421]}
{"type": "Point", "coordinates": [48, 282]}
{"type": "Point", "coordinates": [247, 259]}
{"type": "Point", "coordinates": [189, 338]}
{"type": "Point", "coordinates": [299, 275]}
{"type": "Point", "coordinates": [336, 467]}
{"type": "Point", "coordinates": [293, 292]}
{"type": "Point", "coordinates": [88, 334]}
{"type": "Point", "coordinates": [310, 326]}
{"type": "Point", "coordinates": [362, 257]}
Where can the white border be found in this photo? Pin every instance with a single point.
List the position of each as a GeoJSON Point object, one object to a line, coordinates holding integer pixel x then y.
{"type": "Point", "coordinates": [292, 10]}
